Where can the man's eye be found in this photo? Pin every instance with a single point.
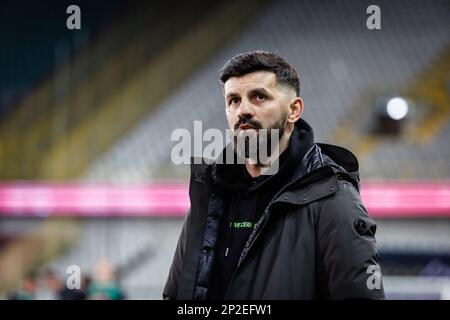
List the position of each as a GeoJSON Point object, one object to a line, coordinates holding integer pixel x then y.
{"type": "Point", "coordinates": [234, 100]}
{"type": "Point", "coordinates": [260, 97]}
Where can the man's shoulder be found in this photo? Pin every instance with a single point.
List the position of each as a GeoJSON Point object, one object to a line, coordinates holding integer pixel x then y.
{"type": "Point", "coordinates": [345, 204]}
{"type": "Point", "coordinates": [200, 169]}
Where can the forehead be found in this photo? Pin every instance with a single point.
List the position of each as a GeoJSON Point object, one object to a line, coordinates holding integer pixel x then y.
{"type": "Point", "coordinates": [257, 79]}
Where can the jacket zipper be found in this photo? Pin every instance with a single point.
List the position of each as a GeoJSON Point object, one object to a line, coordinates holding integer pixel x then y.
{"type": "Point", "coordinates": [258, 232]}
{"type": "Point", "coordinates": [260, 229]}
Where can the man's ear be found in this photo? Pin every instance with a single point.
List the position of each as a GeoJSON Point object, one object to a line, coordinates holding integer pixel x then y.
{"type": "Point", "coordinates": [295, 110]}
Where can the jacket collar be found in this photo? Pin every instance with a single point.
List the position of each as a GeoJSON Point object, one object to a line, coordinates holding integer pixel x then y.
{"type": "Point", "coordinates": [318, 161]}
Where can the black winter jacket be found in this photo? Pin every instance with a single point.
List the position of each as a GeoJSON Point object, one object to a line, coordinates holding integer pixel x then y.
{"type": "Point", "coordinates": [314, 240]}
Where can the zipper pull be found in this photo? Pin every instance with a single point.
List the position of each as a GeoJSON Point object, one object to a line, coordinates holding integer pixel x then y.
{"type": "Point", "coordinates": [226, 252]}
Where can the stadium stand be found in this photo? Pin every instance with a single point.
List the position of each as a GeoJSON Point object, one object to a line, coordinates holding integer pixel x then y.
{"type": "Point", "coordinates": [355, 61]}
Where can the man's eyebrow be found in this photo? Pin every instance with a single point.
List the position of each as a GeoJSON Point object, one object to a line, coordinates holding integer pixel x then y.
{"type": "Point", "coordinates": [251, 93]}
{"type": "Point", "coordinates": [232, 94]}
{"type": "Point", "coordinates": [259, 90]}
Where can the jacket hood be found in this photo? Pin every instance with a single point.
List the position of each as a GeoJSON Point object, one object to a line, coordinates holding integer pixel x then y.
{"type": "Point", "coordinates": [303, 154]}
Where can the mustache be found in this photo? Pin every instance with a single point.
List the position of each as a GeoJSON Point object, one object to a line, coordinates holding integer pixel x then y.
{"type": "Point", "coordinates": [255, 124]}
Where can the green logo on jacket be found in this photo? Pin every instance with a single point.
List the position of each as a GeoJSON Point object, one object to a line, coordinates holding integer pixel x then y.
{"type": "Point", "coordinates": [243, 224]}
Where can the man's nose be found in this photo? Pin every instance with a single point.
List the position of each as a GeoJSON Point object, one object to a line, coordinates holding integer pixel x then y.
{"type": "Point", "coordinates": [246, 110]}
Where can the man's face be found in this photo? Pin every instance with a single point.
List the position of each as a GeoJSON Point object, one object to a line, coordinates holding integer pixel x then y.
{"type": "Point", "coordinates": [255, 101]}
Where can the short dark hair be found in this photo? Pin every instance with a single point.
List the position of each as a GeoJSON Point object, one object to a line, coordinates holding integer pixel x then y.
{"type": "Point", "coordinates": [252, 61]}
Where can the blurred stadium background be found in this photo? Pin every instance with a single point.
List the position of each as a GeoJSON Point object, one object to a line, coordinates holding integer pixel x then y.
{"type": "Point", "coordinates": [86, 118]}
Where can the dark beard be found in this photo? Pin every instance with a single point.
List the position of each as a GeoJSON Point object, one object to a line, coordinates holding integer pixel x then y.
{"type": "Point", "coordinates": [252, 150]}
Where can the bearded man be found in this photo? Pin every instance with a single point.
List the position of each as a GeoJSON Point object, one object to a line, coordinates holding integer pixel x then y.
{"type": "Point", "coordinates": [298, 232]}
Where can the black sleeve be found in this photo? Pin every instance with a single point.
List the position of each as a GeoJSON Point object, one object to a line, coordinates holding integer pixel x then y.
{"type": "Point", "coordinates": [348, 248]}
{"type": "Point", "coordinates": [171, 286]}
